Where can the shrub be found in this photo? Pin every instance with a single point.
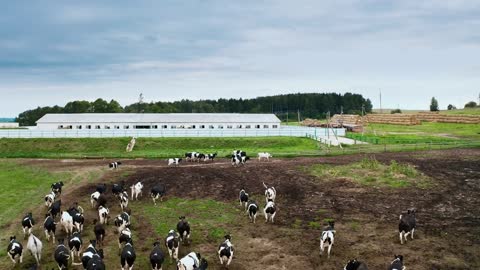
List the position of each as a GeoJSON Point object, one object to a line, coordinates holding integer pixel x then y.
{"type": "Point", "coordinates": [396, 111]}
{"type": "Point", "coordinates": [471, 104]}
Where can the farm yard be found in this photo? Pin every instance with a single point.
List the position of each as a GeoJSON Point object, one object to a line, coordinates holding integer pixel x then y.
{"type": "Point", "coordinates": [363, 194]}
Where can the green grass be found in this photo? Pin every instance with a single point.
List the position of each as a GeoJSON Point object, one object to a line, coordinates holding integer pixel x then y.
{"type": "Point", "coordinates": [151, 147]}
{"type": "Point", "coordinates": [370, 172]}
{"type": "Point", "coordinates": [209, 218]}
{"type": "Point", "coordinates": [468, 111]}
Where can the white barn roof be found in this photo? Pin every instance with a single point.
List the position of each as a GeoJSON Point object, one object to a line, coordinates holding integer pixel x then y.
{"type": "Point", "coordinates": [158, 118]}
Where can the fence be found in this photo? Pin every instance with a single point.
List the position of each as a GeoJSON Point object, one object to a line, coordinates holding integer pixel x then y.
{"type": "Point", "coordinates": [290, 131]}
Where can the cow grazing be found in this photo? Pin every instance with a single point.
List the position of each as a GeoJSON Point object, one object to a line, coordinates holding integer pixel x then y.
{"type": "Point", "coordinates": [77, 215]}
{"type": "Point", "coordinates": [123, 199]}
{"type": "Point", "coordinates": [15, 249]}
{"type": "Point", "coordinates": [128, 256]}
{"type": "Point", "coordinates": [27, 224]}
{"type": "Point", "coordinates": [57, 187]}
{"type": "Point", "coordinates": [210, 157]}
{"type": "Point", "coordinates": [35, 246]}
{"type": "Point", "coordinates": [243, 198]}
{"type": "Point", "coordinates": [103, 214]}
{"type": "Point", "coordinates": [407, 225]}
{"type": "Point", "coordinates": [50, 226]}
{"type": "Point", "coordinates": [61, 255]}
{"type": "Point", "coordinates": [114, 165]}
{"type": "Point", "coordinates": [183, 229]}
{"type": "Point", "coordinates": [122, 221]}
{"type": "Point", "coordinates": [117, 189]}
{"type": "Point", "coordinates": [88, 253]}
{"type": "Point", "coordinates": [156, 257]}
{"type": "Point", "coordinates": [55, 208]}
{"type": "Point", "coordinates": [49, 199]}
{"type": "Point", "coordinates": [67, 222]}
{"type": "Point", "coordinates": [270, 211]}
{"type": "Point", "coordinates": [355, 265]}
{"type": "Point", "coordinates": [270, 193]}
{"type": "Point", "coordinates": [252, 210]}
{"type": "Point", "coordinates": [137, 189]}
{"type": "Point", "coordinates": [191, 156]}
{"type": "Point", "coordinates": [96, 262]}
{"type": "Point", "coordinates": [101, 188]}
{"type": "Point", "coordinates": [203, 265]}
{"type": "Point", "coordinates": [225, 251]}
{"type": "Point", "coordinates": [94, 198]}
{"type": "Point", "coordinates": [99, 231]}
{"type": "Point", "coordinates": [201, 156]}
{"type": "Point", "coordinates": [237, 160]}
{"type": "Point", "coordinates": [171, 242]}
{"type": "Point", "coordinates": [75, 244]}
{"type": "Point", "coordinates": [327, 238]}
{"type": "Point", "coordinates": [125, 237]}
{"type": "Point", "coordinates": [397, 263]}
{"type": "Point", "coordinates": [264, 155]}
{"type": "Point", "coordinates": [158, 191]}
{"type": "Point", "coordinates": [174, 161]}
{"type": "Point", "coordinates": [189, 262]}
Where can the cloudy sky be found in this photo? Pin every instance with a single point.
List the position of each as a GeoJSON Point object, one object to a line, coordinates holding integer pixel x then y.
{"type": "Point", "coordinates": [52, 52]}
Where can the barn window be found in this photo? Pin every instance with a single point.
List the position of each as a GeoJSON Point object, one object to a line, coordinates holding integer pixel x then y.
{"type": "Point", "coordinates": [247, 126]}
{"type": "Point", "coordinates": [155, 127]}
{"type": "Point", "coordinates": [126, 127]}
{"type": "Point", "coordinates": [79, 127]}
{"type": "Point", "coordinates": [202, 126]}
{"type": "Point", "coordinates": [164, 126]}
{"type": "Point", "coordinates": [220, 126]}
{"type": "Point", "coordinates": [141, 127]}
{"type": "Point", "coordinates": [116, 127]}
{"type": "Point", "coordinates": [60, 127]}
{"type": "Point", "coordinates": [230, 126]}
{"type": "Point", "coordinates": [97, 127]}
{"type": "Point", "coordinates": [239, 126]}
{"type": "Point", "coordinates": [173, 126]}
{"type": "Point", "coordinates": [211, 127]}
{"type": "Point", "coordinates": [265, 126]}
{"type": "Point", "coordinates": [107, 127]}
{"type": "Point", "coordinates": [88, 127]}
{"type": "Point", "coordinates": [257, 126]}
{"type": "Point", "coordinates": [192, 127]}
{"type": "Point", "coordinates": [274, 126]}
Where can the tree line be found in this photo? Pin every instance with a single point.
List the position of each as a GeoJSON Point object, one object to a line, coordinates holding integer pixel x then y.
{"type": "Point", "coordinates": [308, 105]}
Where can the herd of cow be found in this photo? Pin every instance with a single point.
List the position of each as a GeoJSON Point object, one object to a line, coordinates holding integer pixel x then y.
{"type": "Point", "coordinates": [72, 220]}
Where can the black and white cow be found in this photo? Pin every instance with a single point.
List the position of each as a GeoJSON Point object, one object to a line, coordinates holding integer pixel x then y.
{"type": "Point", "coordinates": [328, 238]}
{"type": "Point", "coordinates": [101, 188]}
{"type": "Point", "coordinates": [114, 165]}
{"type": "Point", "coordinates": [88, 253]}
{"type": "Point", "coordinates": [55, 208]}
{"type": "Point", "coordinates": [50, 226]}
{"type": "Point", "coordinates": [252, 210]}
{"type": "Point", "coordinates": [128, 256]}
{"type": "Point", "coordinates": [101, 201]}
{"type": "Point", "coordinates": [61, 255]}
{"type": "Point", "coordinates": [156, 257]}
{"type": "Point", "coordinates": [123, 200]}
{"type": "Point", "coordinates": [407, 225]}
{"type": "Point", "coordinates": [174, 161]}
{"type": "Point", "coordinates": [158, 191]}
{"type": "Point", "coordinates": [225, 251]}
{"type": "Point", "coordinates": [201, 156]}
{"type": "Point", "coordinates": [14, 250]}
{"type": "Point", "coordinates": [203, 265]}
{"type": "Point", "coordinates": [67, 222]}
{"type": "Point", "coordinates": [57, 187]}
{"type": "Point", "coordinates": [243, 198]}
{"type": "Point", "coordinates": [35, 246]}
{"type": "Point", "coordinates": [99, 231]}
{"type": "Point", "coordinates": [189, 262]}
{"type": "Point", "coordinates": [137, 189]}
{"type": "Point", "coordinates": [210, 157]}
{"type": "Point", "coordinates": [183, 228]}
{"type": "Point", "coordinates": [117, 189]}
{"type": "Point", "coordinates": [96, 262]}
{"type": "Point", "coordinates": [237, 160]}
{"type": "Point", "coordinates": [124, 237]}
{"type": "Point", "coordinates": [49, 199]}
{"type": "Point", "coordinates": [94, 198]}
{"type": "Point", "coordinates": [103, 214]}
{"type": "Point", "coordinates": [75, 245]}
{"type": "Point", "coordinates": [239, 153]}
{"type": "Point", "coordinates": [270, 211]}
{"type": "Point", "coordinates": [397, 263]}
{"type": "Point", "coordinates": [77, 215]}
{"type": "Point", "coordinates": [191, 156]}
{"type": "Point", "coordinates": [171, 242]}
{"type": "Point", "coordinates": [27, 224]}
{"type": "Point", "coordinates": [122, 221]}
{"type": "Point", "coordinates": [270, 193]}
{"type": "Point", "coordinates": [355, 265]}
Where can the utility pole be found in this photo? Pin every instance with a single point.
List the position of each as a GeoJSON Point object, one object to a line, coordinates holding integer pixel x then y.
{"type": "Point", "coordinates": [140, 102]}
{"type": "Point", "coordinates": [381, 110]}
{"type": "Point", "coordinates": [298, 114]}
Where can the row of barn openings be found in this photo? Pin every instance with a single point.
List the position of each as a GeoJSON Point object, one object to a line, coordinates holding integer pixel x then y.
{"type": "Point", "coordinates": [355, 123]}
{"type": "Point", "coordinates": [164, 126]}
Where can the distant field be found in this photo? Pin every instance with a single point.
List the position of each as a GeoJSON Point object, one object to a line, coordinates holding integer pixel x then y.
{"type": "Point", "coordinates": [473, 111]}
{"type": "Point", "coordinates": [152, 147]}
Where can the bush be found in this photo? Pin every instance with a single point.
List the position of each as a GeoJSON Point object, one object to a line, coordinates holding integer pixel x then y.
{"type": "Point", "coordinates": [451, 107]}
{"type": "Point", "coordinates": [471, 104]}
{"type": "Point", "coordinates": [434, 105]}
{"type": "Point", "coordinates": [396, 111]}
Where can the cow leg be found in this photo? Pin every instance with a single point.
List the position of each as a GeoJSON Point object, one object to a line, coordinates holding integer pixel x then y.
{"type": "Point", "coordinates": [321, 247]}
{"type": "Point", "coordinates": [413, 230]}
{"type": "Point", "coordinates": [11, 258]}
{"type": "Point", "coordinates": [329, 249]}
{"type": "Point", "coordinates": [273, 216]}
{"type": "Point", "coordinates": [230, 259]}
{"type": "Point", "coordinates": [47, 235]}
{"type": "Point", "coordinates": [254, 216]}
{"type": "Point", "coordinates": [406, 235]}
{"type": "Point", "coordinates": [240, 200]}
{"type": "Point", "coordinates": [401, 238]}
{"type": "Point", "coordinates": [21, 257]}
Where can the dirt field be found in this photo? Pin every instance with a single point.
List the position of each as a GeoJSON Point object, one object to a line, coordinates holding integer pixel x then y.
{"type": "Point", "coordinates": [448, 218]}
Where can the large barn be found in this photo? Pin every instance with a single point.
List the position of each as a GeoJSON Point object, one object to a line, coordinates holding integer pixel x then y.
{"type": "Point", "coordinates": [99, 121]}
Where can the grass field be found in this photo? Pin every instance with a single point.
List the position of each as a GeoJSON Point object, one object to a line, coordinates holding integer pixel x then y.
{"type": "Point", "coordinates": [151, 147]}
{"type": "Point", "coordinates": [468, 111]}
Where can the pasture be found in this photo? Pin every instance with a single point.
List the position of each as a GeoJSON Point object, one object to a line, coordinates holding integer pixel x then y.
{"type": "Point", "coordinates": [442, 185]}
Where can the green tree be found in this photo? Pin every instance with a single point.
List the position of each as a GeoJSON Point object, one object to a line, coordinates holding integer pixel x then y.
{"type": "Point", "coordinates": [471, 104]}
{"type": "Point", "coordinates": [434, 105]}
{"type": "Point", "coordinates": [451, 107]}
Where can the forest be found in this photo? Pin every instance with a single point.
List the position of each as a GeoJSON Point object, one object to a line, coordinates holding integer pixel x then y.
{"type": "Point", "coordinates": [305, 105]}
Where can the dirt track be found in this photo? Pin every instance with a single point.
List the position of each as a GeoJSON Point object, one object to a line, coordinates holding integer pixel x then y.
{"type": "Point", "coordinates": [447, 237]}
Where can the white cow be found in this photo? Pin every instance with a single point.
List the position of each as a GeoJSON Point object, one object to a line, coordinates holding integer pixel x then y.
{"type": "Point", "coordinates": [67, 222]}
{"type": "Point", "coordinates": [35, 246]}
{"type": "Point", "coordinates": [137, 189]}
{"type": "Point", "coordinates": [327, 238]}
{"type": "Point", "coordinates": [264, 155]}
{"type": "Point", "coordinates": [49, 199]}
{"type": "Point", "coordinates": [189, 262]}
{"type": "Point", "coordinates": [103, 214]}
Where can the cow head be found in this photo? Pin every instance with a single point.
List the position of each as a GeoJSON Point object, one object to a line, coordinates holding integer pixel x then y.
{"type": "Point", "coordinates": [156, 244]}
{"type": "Point", "coordinates": [352, 265]}
{"type": "Point", "coordinates": [228, 237]}
{"type": "Point", "coordinates": [182, 218]}
{"type": "Point", "coordinates": [93, 243]}
{"type": "Point", "coordinates": [398, 257]}
{"type": "Point", "coordinates": [12, 238]}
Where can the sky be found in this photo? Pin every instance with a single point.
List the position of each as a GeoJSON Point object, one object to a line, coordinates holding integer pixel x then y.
{"type": "Point", "coordinates": [52, 52]}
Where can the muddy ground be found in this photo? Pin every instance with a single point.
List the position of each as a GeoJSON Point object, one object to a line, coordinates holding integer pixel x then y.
{"type": "Point", "coordinates": [448, 218]}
